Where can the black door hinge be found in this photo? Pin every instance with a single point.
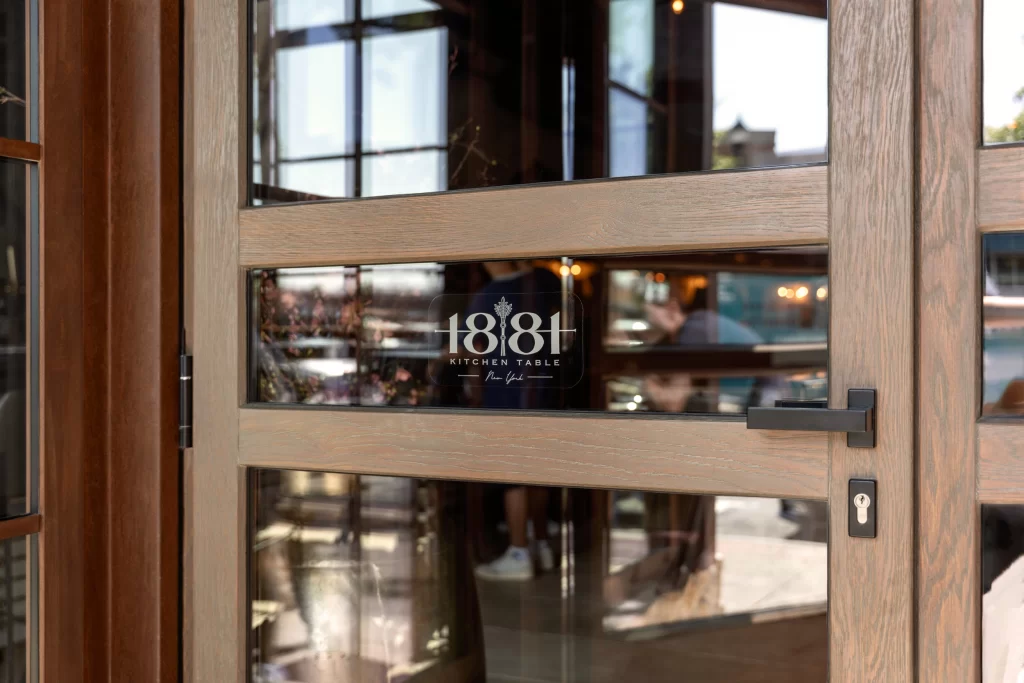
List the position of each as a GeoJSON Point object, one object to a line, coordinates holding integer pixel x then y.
{"type": "Point", "coordinates": [184, 400]}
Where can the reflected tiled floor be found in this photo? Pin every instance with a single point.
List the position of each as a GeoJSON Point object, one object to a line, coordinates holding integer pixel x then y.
{"type": "Point", "coordinates": [402, 604]}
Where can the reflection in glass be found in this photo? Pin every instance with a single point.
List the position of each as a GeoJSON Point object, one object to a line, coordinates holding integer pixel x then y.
{"type": "Point", "coordinates": [1002, 568]}
{"type": "Point", "coordinates": [15, 81]}
{"type": "Point", "coordinates": [368, 578]}
{"type": "Point", "coordinates": [14, 599]}
{"type": "Point", "coordinates": [1003, 319]}
{"type": "Point", "coordinates": [1003, 66]}
{"type": "Point", "coordinates": [519, 92]}
{"type": "Point", "coordinates": [312, 111]}
{"type": "Point", "coordinates": [14, 222]}
{"type": "Point", "coordinates": [699, 333]}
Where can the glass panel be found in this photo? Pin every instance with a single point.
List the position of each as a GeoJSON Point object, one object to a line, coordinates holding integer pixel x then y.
{"type": "Point", "coordinates": [704, 333]}
{"type": "Point", "coordinates": [404, 173]}
{"type": "Point", "coordinates": [14, 601]}
{"type": "Point", "coordinates": [405, 90]}
{"type": "Point", "coordinates": [1003, 319]}
{"type": "Point", "coordinates": [313, 90]}
{"type": "Point", "coordinates": [17, 21]}
{"type": "Point", "coordinates": [1002, 568]}
{"type": "Point", "coordinates": [367, 578]}
{"type": "Point", "coordinates": [297, 14]}
{"type": "Point", "coordinates": [1003, 64]}
{"type": "Point", "coordinates": [373, 9]}
{"type": "Point", "coordinates": [15, 216]}
{"type": "Point", "coordinates": [628, 151]}
{"type": "Point", "coordinates": [523, 92]}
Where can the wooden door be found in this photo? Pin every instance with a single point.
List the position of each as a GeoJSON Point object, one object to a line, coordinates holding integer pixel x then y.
{"type": "Point", "coordinates": [678, 237]}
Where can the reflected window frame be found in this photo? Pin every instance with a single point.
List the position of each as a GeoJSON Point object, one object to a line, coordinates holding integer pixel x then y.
{"type": "Point", "coordinates": [356, 33]}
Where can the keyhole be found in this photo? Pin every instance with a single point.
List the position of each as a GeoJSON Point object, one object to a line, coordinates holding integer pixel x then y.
{"type": "Point", "coordinates": [861, 501]}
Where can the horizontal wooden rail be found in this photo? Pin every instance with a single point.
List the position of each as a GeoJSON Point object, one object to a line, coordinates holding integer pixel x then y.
{"type": "Point", "coordinates": [660, 454]}
{"type": "Point", "coordinates": [1001, 189]}
{"type": "Point", "coordinates": [718, 210]}
{"type": "Point", "coordinates": [19, 149]}
{"type": "Point", "coordinates": [20, 526]}
{"type": "Point", "coordinates": [1001, 462]}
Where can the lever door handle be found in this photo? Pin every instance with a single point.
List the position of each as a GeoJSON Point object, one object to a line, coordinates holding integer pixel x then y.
{"type": "Point", "coordinates": [858, 421]}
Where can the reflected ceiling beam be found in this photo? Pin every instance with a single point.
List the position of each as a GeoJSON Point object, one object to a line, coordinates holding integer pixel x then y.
{"type": "Point", "coordinates": [809, 8]}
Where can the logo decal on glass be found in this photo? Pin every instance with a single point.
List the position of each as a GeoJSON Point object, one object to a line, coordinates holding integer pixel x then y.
{"type": "Point", "coordinates": [518, 340]}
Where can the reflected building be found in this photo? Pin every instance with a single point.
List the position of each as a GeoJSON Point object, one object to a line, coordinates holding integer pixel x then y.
{"type": "Point", "coordinates": [373, 98]}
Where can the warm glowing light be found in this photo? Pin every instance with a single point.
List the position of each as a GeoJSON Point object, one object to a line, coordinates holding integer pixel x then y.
{"type": "Point", "coordinates": [576, 270]}
{"type": "Point", "coordinates": [639, 326]}
{"type": "Point", "coordinates": [631, 406]}
{"type": "Point", "coordinates": [678, 6]}
{"type": "Point", "coordinates": [660, 277]}
{"type": "Point", "coordinates": [790, 294]}
{"type": "Point", "coordinates": [801, 292]}
{"type": "Point", "coordinates": [564, 270]}
{"type": "Point", "coordinates": [822, 293]}
{"type": "Point", "coordinates": [782, 292]}
{"type": "Point", "coordinates": [638, 398]}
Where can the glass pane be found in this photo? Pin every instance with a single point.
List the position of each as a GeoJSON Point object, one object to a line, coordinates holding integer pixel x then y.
{"type": "Point", "coordinates": [16, 96]}
{"type": "Point", "coordinates": [367, 578]}
{"type": "Point", "coordinates": [297, 14]}
{"type": "Point", "coordinates": [1003, 319]}
{"type": "Point", "coordinates": [14, 601]}
{"type": "Point", "coordinates": [333, 177]}
{"type": "Point", "coordinates": [15, 216]}
{"type": "Point", "coordinates": [404, 90]}
{"type": "Point", "coordinates": [386, 8]}
{"type": "Point", "coordinates": [703, 333]}
{"type": "Point", "coordinates": [520, 92]}
{"type": "Point", "coordinates": [314, 87]}
{"type": "Point", "coordinates": [628, 151]}
{"type": "Point", "coordinates": [631, 44]}
{"type": "Point", "coordinates": [404, 173]}
{"type": "Point", "coordinates": [1003, 64]}
{"type": "Point", "coordinates": [1002, 568]}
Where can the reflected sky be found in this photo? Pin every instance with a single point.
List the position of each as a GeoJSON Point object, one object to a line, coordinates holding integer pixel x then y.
{"type": "Point", "coordinates": [1003, 62]}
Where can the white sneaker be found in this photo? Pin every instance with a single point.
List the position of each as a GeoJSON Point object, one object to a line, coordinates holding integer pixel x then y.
{"type": "Point", "coordinates": [545, 556]}
{"type": "Point", "coordinates": [514, 565]}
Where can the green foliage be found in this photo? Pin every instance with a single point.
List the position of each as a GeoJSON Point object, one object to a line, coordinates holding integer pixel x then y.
{"type": "Point", "coordinates": [1011, 132]}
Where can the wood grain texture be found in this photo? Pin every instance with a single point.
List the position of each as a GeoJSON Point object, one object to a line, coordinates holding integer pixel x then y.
{"type": "Point", "coordinates": [20, 526]}
{"type": "Point", "coordinates": [110, 220]}
{"type": "Point", "coordinates": [214, 96]}
{"type": "Point", "coordinates": [701, 456]}
{"type": "Point", "coordinates": [702, 211]}
{"type": "Point", "coordinates": [141, 338]}
{"type": "Point", "coordinates": [948, 597]}
{"type": "Point", "coordinates": [871, 337]}
{"type": "Point", "coordinates": [1001, 189]}
{"type": "Point", "coordinates": [19, 149]}
{"type": "Point", "coordinates": [1001, 462]}
{"type": "Point", "coordinates": [72, 590]}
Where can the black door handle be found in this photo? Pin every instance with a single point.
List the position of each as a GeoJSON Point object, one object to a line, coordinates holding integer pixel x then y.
{"type": "Point", "coordinates": [858, 421]}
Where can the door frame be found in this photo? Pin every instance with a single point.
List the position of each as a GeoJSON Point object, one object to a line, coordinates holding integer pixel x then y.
{"type": "Point", "coordinates": [861, 205]}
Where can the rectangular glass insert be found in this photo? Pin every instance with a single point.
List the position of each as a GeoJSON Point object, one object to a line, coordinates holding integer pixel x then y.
{"type": "Point", "coordinates": [676, 333]}
{"type": "Point", "coordinates": [368, 578]}
{"type": "Point", "coordinates": [391, 97]}
{"type": "Point", "coordinates": [1003, 321]}
{"type": "Point", "coordinates": [16, 202]}
{"type": "Point", "coordinates": [1003, 66]}
{"type": "Point", "coordinates": [1002, 606]}
{"type": "Point", "coordinates": [18, 24]}
{"type": "Point", "coordinates": [15, 598]}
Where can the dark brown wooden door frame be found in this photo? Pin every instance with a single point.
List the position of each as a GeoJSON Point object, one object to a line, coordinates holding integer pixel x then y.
{"type": "Point", "coordinates": [110, 217]}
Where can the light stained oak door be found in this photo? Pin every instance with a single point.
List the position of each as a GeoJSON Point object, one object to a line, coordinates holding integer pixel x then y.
{"type": "Point", "coordinates": [833, 244]}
